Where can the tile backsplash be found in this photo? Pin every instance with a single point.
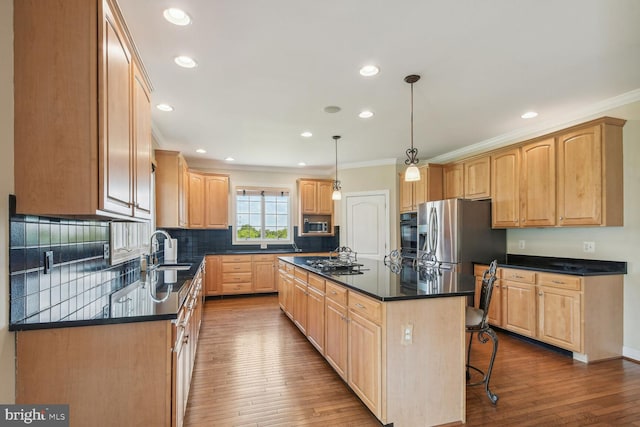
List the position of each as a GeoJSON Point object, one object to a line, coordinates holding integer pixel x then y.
{"type": "Point", "coordinates": [80, 280]}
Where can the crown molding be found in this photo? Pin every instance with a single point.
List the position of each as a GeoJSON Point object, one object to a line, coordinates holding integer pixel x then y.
{"type": "Point", "coordinates": [593, 111]}
{"type": "Point", "coordinates": [368, 164]}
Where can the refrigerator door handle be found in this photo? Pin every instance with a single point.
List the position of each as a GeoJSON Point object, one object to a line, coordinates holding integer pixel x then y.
{"type": "Point", "coordinates": [433, 231]}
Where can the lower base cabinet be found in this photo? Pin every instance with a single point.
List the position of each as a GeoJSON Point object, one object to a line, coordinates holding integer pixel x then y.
{"type": "Point", "coordinates": [127, 374]}
{"type": "Point", "coordinates": [582, 314]}
{"type": "Point", "coordinates": [419, 381]}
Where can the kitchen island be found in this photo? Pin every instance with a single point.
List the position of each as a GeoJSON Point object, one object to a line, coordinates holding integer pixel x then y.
{"type": "Point", "coordinates": [396, 338]}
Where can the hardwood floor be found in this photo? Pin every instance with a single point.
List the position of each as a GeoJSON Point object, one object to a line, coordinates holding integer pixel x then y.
{"type": "Point", "coordinates": [254, 368]}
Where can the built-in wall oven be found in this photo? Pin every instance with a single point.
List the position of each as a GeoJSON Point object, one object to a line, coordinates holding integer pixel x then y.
{"type": "Point", "coordinates": [409, 234]}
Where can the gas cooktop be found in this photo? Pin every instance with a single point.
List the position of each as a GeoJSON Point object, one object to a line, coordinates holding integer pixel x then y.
{"type": "Point", "coordinates": [335, 266]}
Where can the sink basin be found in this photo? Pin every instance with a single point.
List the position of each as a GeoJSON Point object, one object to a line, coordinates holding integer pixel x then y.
{"type": "Point", "coordinates": [174, 266]}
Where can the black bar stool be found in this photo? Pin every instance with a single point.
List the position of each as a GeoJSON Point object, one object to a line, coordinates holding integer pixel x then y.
{"type": "Point", "coordinates": [476, 322]}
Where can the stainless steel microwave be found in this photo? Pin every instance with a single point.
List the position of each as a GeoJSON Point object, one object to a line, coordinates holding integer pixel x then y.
{"type": "Point", "coordinates": [316, 226]}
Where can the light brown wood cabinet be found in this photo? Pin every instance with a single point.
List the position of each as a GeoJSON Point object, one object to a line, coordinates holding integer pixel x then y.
{"type": "Point", "coordinates": [264, 273]}
{"type": "Point", "coordinates": [315, 204]}
{"type": "Point", "coordinates": [505, 188]}
{"type": "Point", "coordinates": [364, 370]}
{"type": "Point", "coordinates": [285, 288]}
{"type": "Point", "coordinates": [577, 313]}
{"type": "Point", "coordinates": [172, 181]}
{"type": "Point", "coordinates": [337, 330]}
{"type": "Point", "coordinates": [300, 299]}
{"type": "Point", "coordinates": [236, 274]}
{"type": "Point", "coordinates": [453, 181]}
{"type": "Point", "coordinates": [428, 188]}
{"type": "Point", "coordinates": [495, 306]}
{"type": "Point", "coordinates": [88, 368]}
{"type": "Point", "coordinates": [538, 183]}
{"type": "Point", "coordinates": [477, 178]}
{"type": "Point", "coordinates": [208, 200]}
{"type": "Point", "coordinates": [590, 174]}
{"type": "Point", "coordinates": [316, 311]}
{"type": "Point", "coordinates": [213, 277]}
{"type": "Point", "coordinates": [84, 124]}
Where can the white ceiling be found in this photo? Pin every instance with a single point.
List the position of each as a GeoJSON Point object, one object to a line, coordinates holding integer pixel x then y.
{"type": "Point", "coordinates": [268, 68]}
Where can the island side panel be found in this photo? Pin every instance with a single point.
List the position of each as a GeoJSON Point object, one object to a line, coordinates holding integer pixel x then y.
{"type": "Point", "coordinates": [426, 383]}
{"type": "Point", "coordinates": [108, 374]}
{"type": "Point", "coordinates": [603, 317]}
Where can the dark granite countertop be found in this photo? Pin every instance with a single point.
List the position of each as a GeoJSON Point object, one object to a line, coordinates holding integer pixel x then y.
{"type": "Point", "coordinates": [134, 303]}
{"type": "Point", "coordinates": [379, 281]}
{"type": "Point", "coordinates": [573, 266]}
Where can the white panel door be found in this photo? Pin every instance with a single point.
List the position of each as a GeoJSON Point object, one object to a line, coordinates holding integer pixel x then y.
{"type": "Point", "coordinates": [367, 224]}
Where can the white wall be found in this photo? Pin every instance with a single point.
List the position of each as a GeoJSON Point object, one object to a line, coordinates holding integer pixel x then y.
{"type": "Point", "coordinates": [7, 341]}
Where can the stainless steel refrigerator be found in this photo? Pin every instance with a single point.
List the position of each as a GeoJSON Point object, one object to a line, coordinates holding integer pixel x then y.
{"type": "Point", "coordinates": [455, 233]}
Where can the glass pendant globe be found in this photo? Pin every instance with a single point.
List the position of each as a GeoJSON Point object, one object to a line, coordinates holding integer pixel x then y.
{"type": "Point", "coordinates": [412, 173]}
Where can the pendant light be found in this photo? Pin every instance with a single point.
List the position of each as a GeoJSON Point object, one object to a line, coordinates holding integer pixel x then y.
{"type": "Point", "coordinates": [336, 195]}
{"type": "Point", "coordinates": [412, 173]}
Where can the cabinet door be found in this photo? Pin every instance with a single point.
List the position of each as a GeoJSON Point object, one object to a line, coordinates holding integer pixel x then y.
{"type": "Point", "coordinates": [300, 305]}
{"type": "Point", "coordinates": [477, 178]}
{"type": "Point", "coordinates": [216, 201]}
{"type": "Point", "coordinates": [406, 195]}
{"type": "Point", "coordinates": [519, 311]}
{"type": "Point", "coordinates": [308, 197]}
{"type": "Point", "coordinates": [116, 79]}
{"type": "Point", "coordinates": [183, 193]}
{"type": "Point", "coordinates": [580, 177]}
{"type": "Point", "coordinates": [453, 181]}
{"type": "Point", "coordinates": [142, 146]}
{"type": "Point", "coordinates": [264, 279]}
{"type": "Point", "coordinates": [196, 200]}
{"type": "Point", "coordinates": [559, 317]}
{"type": "Point", "coordinates": [282, 293]}
{"type": "Point", "coordinates": [365, 354]}
{"type": "Point", "coordinates": [337, 337]}
{"type": "Point", "coordinates": [325, 202]}
{"type": "Point", "coordinates": [538, 184]}
{"type": "Point", "coordinates": [505, 206]}
{"type": "Point", "coordinates": [315, 318]}
{"type": "Point", "coordinates": [212, 277]}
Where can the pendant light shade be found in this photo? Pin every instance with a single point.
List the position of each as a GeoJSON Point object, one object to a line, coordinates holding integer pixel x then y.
{"type": "Point", "coordinates": [337, 194]}
{"type": "Point", "coordinates": [412, 173]}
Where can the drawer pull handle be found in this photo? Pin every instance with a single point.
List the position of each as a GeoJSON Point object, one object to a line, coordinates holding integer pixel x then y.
{"type": "Point", "coordinates": [360, 306]}
{"type": "Point", "coordinates": [334, 293]}
{"type": "Point", "coordinates": [558, 282]}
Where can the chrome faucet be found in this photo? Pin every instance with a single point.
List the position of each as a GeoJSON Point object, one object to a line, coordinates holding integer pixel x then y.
{"type": "Point", "coordinates": [295, 247]}
{"type": "Point", "coordinates": [151, 252]}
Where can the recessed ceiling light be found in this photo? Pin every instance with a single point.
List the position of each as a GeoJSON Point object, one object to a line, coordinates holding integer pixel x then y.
{"type": "Point", "coordinates": [529, 115]}
{"type": "Point", "coordinates": [164, 107]}
{"type": "Point", "coordinates": [302, 164]}
{"type": "Point", "coordinates": [306, 134]}
{"type": "Point", "coordinates": [176, 16]}
{"type": "Point", "coordinates": [332, 109]}
{"type": "Point", "coordinates": [369, 70]}
{"type": "Point", "coordinates": [229, 159]}
{"type": "Point", "coordinates": [201, 151]}
{"type": "Point", "coordinates": [185, 61]}
{"type": "Point", "coordinates": [365, 114]}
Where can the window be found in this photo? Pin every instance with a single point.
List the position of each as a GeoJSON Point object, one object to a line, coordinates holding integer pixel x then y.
{"type": "Point", "coordinates": [262, 215]}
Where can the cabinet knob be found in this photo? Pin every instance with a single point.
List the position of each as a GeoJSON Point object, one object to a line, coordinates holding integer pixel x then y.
{"type": "Point", "coordinates": [540, 293]}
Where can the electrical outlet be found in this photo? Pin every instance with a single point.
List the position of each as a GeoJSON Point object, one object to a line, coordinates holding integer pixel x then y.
{"type": "Point", "coordinates": [105, 251]}
{"type": "Point", "coordinates": [589, 247]}
{"type": "Point", "coordinates": [407, 334]}
{"type": "Point", "coordinates": [521, 244]}
{"type": "Point", "coordinates": [263, 245]}
{"type": "Point", "coordinates": [48, 262]}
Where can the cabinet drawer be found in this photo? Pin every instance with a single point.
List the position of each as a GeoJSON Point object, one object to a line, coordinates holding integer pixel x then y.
{"type": "Point", "coordinates": [236, 258]}
{"type": "Point", "coordinates": [316, 282]}
{"type": "Point", "coordinates": [289, 268]}
{"type": "Point", "coordinates": [236, 278]}
{"type": "Point", "coordinates": [236, 267]}
{"type": "Point", "coordinates": [301, 274]}
{"type": "Point", "coordinates": [336, 293]}
{"type": "Point", "coordinates": [236, 288]}
{"type": "Point", "coordinates": [524, 276]}
{"type": "Point", "coordinates": [366, 307]}
{"type": "Point", "coordinates": [560, 281]}
{"type": "Point", "coordinates": [264, 257]}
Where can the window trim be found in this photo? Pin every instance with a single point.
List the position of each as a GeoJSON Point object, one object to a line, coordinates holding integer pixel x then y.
{"type": "Point", "coordinates": [278, 188]}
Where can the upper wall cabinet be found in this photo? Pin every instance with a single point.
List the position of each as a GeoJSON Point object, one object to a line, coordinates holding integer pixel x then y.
{"type": "Point", "coordinates": [315, 205]}
{"type": "Point", "coordinates": [477, 178]}
{"type": "Point", "coordinates": [590, 180]}
{"type": "Point", "coordinates": [569, 178]}
{"type": "Point", "coordinates": [82, 118]}
{"type": "Point", "coordinates": [428, 188]}
{"type": "Point", "coordinates": [171, 189]}
{"type": "Point", "coordinates": [208, 200]}
{"type": "Point", "coordinates": [453, 181]}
